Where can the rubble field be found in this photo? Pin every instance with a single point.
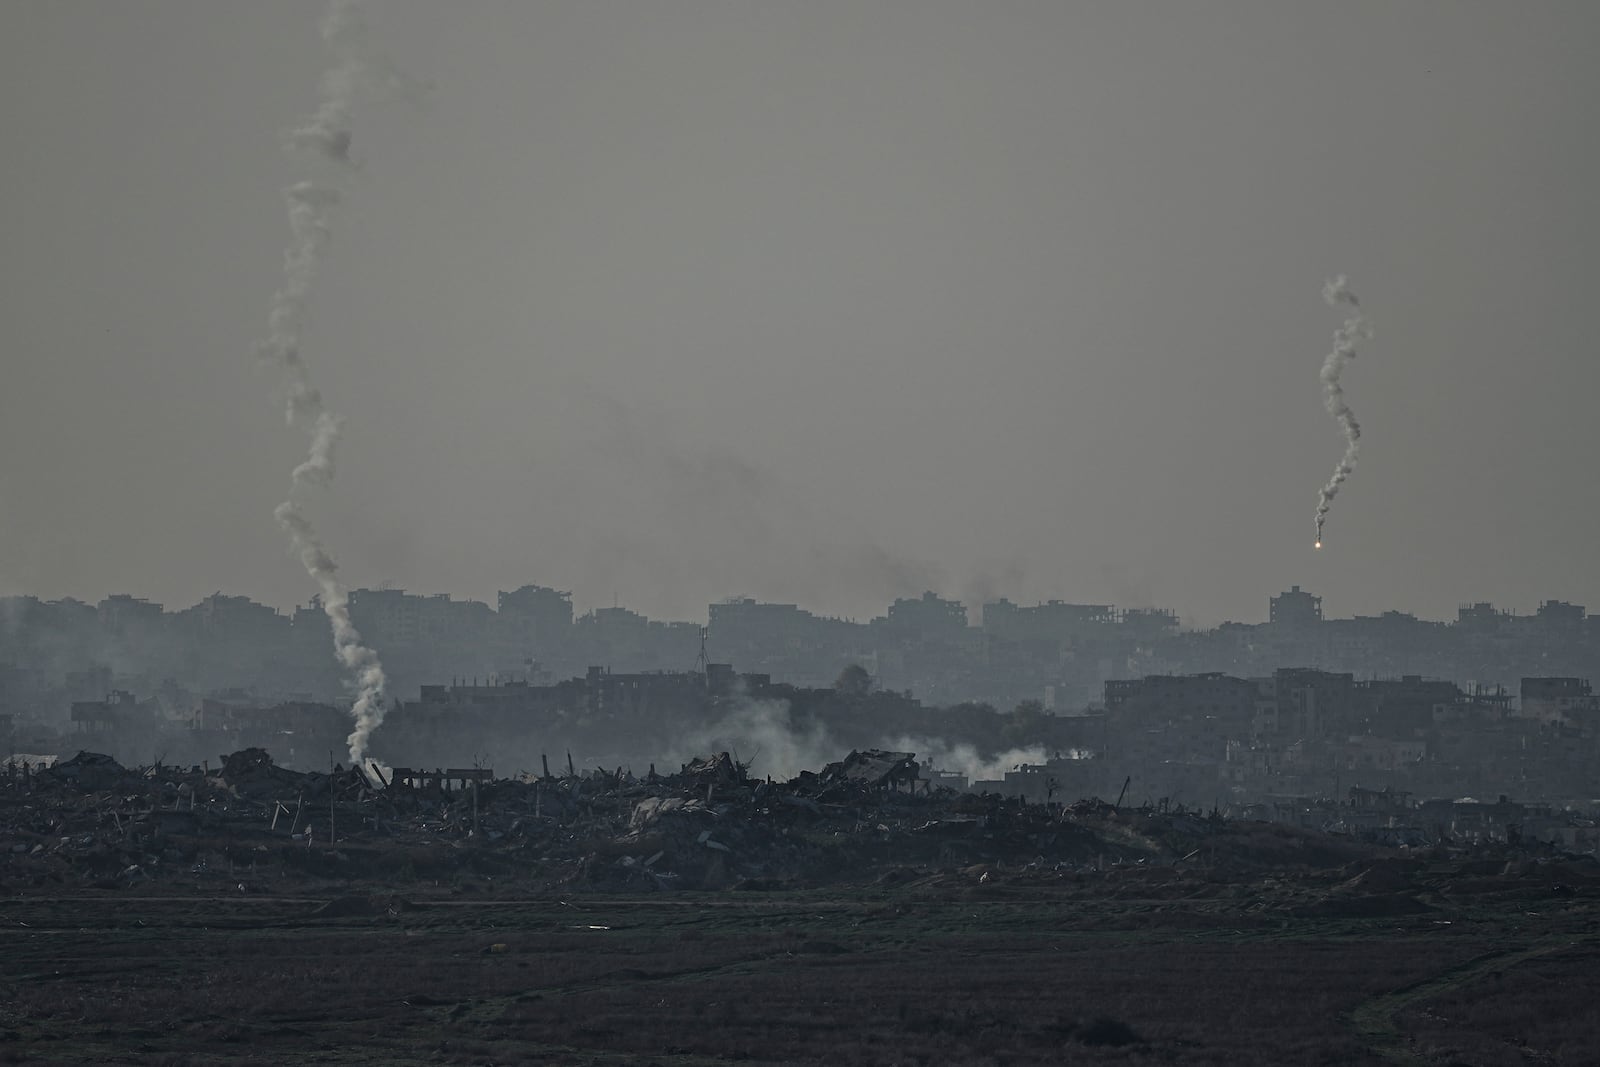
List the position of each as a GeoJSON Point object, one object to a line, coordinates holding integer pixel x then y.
{"type": "Point", "coordinates": [248, 913]}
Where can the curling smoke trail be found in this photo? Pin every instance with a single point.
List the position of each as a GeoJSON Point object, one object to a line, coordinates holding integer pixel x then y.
{"type": "Point", "coordinates": [1352, 332]}
{"type": "Point", "coordinates": [326, 133]}
{"type": "Point", "coordinates": [361, 661]}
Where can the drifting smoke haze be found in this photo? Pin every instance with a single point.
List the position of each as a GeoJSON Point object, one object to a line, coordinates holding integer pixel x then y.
{"type": "Point", "coordinates": [764, 735]}
{"type": "Point", "coordinates": [938, 753]}
{"type": "Point", "coordinates": [761, 735]}
{"type": "Point", "coordinates": [327, 135]}
{"type": "Point", "coordinates": [1350, 333]}
{"type": "Point", "coordinates": [692, 484]}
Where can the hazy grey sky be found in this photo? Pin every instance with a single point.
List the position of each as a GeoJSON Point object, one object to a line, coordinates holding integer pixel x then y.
{"type": "Point", "coordinates": [821, 301]}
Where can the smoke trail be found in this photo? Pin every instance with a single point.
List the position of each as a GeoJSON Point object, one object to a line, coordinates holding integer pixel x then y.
{"type": "Point", "coordinates": [361, 661]}
{"type": "Point", "coordinates": [327, 134]}
{"type": "Point", "coordinates": [1354, 330]}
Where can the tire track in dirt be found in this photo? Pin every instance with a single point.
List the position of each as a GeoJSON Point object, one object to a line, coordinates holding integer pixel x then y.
{"type": "Point", "coordinates": [1374, 1020]}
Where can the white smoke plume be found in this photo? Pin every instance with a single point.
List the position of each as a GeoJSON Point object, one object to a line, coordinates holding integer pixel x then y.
{"type": "Point", "coordinates": [327, 134]}
{"type": "Point", "coordinates": [760, 734]}
{"type": "Point", "coordinates": [362, 662]}
{"type": "Point", "coordinates": [318, 466]}
{"type": "Point", "coordinates": [940, 754]}
{"type": "Point", "coordinates": [763, 736]}
{"type": "Point", "coordinates": [310, 205]}
{"type": "Point", "coordinates": [1352, 332]}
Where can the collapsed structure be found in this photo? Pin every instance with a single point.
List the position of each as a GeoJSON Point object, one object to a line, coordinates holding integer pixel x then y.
{"type": "Point", "coordinates": [249, 826]}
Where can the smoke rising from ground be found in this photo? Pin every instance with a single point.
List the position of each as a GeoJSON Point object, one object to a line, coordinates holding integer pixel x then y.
{"type": "Point", "coordinates": [1350, 333]}
{"type": "Point", "coordinates": [761, 735]}
{"type": "Point", "coordinates": [360, 661]}
{"type": "Point", "coordinates": [764, 736]}
{"type": "Point", "coordinates": [327, 134]}
{"type": "Point", "coordinates": [938, 753]}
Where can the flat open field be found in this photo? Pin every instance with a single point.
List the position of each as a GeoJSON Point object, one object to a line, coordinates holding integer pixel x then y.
{"type": "Point", "coordinates": [1044, 970]}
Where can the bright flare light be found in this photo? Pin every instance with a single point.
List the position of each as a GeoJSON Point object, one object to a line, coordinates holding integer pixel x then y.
{"type": "Point", "coordinates": [1319, 544]}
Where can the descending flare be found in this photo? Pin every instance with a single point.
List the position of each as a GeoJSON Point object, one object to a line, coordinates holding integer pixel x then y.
{"type": "Point", "coordinates": [1351, 332]}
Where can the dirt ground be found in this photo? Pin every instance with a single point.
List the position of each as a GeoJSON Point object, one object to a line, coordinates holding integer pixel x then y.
{"type": "Point", "coordinates": [980, 966]}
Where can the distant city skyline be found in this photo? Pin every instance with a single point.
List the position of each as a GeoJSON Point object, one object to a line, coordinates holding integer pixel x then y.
{"type": "Point", "coordinates": [583, 607]}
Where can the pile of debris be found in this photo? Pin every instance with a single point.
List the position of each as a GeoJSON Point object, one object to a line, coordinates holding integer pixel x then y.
{"type": "Point", "coordinates": [251, 826]}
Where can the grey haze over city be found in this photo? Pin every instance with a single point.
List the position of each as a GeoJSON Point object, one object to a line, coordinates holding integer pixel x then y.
{"type": "Point", "coordinates": [826, 303]}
